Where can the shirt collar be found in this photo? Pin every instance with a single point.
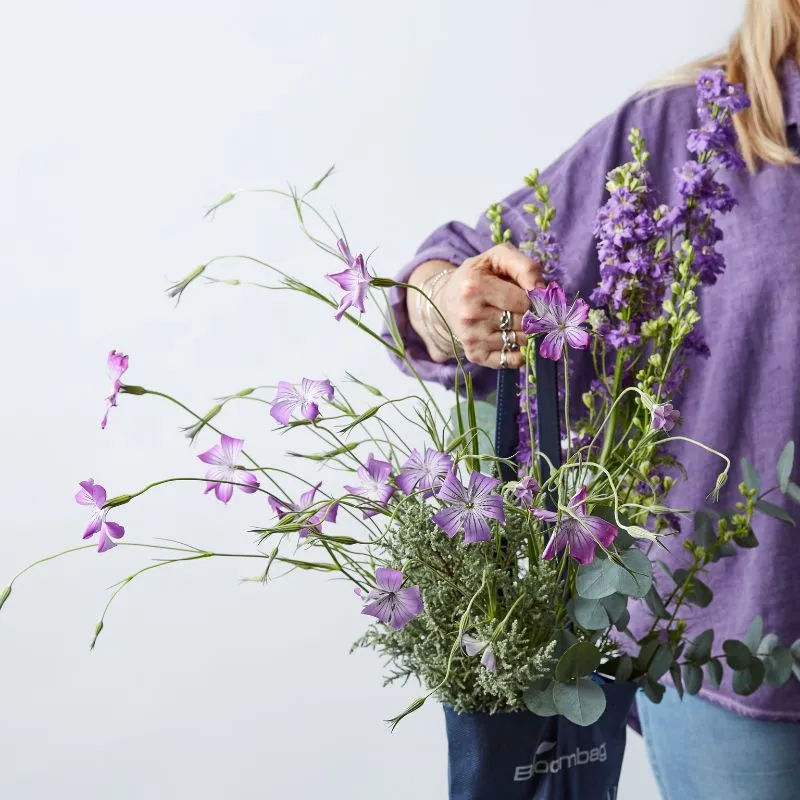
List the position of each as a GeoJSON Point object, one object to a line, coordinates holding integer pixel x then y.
{"type": "Point", "coordinates": [790, 83]}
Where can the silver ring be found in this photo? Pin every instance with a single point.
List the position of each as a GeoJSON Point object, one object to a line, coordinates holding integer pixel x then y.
{"type": "Point", "coordinates": [504, 358]}
{"type": "Point", "coordinates": [509, 340]}
{"type": "Point", "coordinates": [506, 321]}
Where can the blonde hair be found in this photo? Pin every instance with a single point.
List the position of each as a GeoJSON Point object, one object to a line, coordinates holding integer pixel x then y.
{"type": "Point", "coordinates": [769, 34]}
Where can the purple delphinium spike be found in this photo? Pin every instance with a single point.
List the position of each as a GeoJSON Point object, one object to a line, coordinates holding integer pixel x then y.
{"type": "Point", "coordinates": [577, 530]}
{"type": "Point", "coordinates": [375, 476]}
{"type": "Point", "coordinates": [314, 523]}
{"type": "Point", "coordinates": [424, 473]}
{"type": "Point", "coordinates": [526, 489]}
{"type": "Point", "coordinates": [291, 398]}
{"type": "Point", "coordinates": [389, 602]}
{"type": "Point", "coordinates": [354, 281]}
{"type": "Point", "coordinates": [665, 417]}
{"type": "Point", "coordinates": [473, 646]}
{"type": "Point", "coordinates": [223, 473]}
{"type": "Point", "coordinates": [94, 495]}
{"type": "Point", "coordinates": [117, 365]}
{"type": "Point", "coordinates": [560, 323]}
{"type": "Point", "coordinates": [468, 507]}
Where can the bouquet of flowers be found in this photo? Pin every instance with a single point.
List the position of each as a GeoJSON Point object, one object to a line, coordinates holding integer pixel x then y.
{"type": "Point", "coordinates": [499, 594]}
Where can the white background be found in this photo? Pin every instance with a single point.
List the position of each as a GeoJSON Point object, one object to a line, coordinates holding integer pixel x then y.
{"type": "Point", "coordinates": [120, 122]}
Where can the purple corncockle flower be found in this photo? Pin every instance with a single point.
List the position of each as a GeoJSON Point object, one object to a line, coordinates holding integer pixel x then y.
{"type": "Point", "coordinates": [375, 476]}
{"type": "Point", "coordinates": [389, 602]}
{"type": "Point", "coordinates": [526, 489]}
{"type": "Point", "coordinates": [224, 473]}
{"type": "Point", "coordinates": [94, 495]}
{"type": "Point", "coordinates": [304, 397]}
{"type": "Point", "coordinates": [424, 473]}
{"type": "Point", "coordinates": [577, 530]}
{"type": "Point", "coordinates": [473, 646]}
{"type": "Point", "coordinates": [550, 315]}
{"type": "Point", "coordinates": [314, 524]}
{"type": "Point", "coordinates": [665, 417]}
{"type": "Point", "coordinates": [468, 507]}
{"type": "Point", "coordinates": [117, 365]}
{"type": "Point", "coordinates": [354, 280]}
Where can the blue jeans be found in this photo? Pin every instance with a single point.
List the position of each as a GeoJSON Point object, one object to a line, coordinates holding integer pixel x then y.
{"type": "Point", "coordinates": [701, 751]}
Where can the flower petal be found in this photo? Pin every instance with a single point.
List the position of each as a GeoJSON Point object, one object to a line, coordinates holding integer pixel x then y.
{"type": "Point", "coordinates": [552, 345]}
{"type": "Point", "coordinates": [223, 492]}
{"type": "Point", "coordinates": [407, 605]}
{"type": "Point", "coordinates": [248, 482]}
{"type": "Point", "coordinates": [476, 529]}
{"type": "Point", "coordinates": [389, 580]}
{"type": "Point", "coordinates": [115, 530]}
{"type": "Point", "coordinates": [449, 520]}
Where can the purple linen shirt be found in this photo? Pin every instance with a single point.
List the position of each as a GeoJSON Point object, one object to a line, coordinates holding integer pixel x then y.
{"type": "Point", "coordinates": [744, 400]}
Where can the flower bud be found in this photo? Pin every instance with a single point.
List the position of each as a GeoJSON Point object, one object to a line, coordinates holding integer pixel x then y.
{"type": "Point", "coordinates": [118, 501]}
{"type": "Point", "coordinates": [97, 632]}
{"type": "Point", "coordinates": [125, 389]}
{"type": "Point", "coordinates": [4, 595]}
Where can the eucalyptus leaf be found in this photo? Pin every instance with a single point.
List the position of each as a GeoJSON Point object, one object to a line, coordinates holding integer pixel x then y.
{"type": "Point", "coordinates": [582, 702]}
{"type": "Point", "coordinates": [704, 533]}
{"type": "Point", "coordinates": [615, 605]}
{"type": "Point", "coordinates": [713, 672]}
{"type": "Point", "coordinates": [699, 651]}
{"type": "Point", "coordinates": [579, 661]}
{"type": "Point", "coordinates": [692, 678]}
{"type": "Point", "coordinates": [653, 689]}
{"type": "Point", "coordinates": [747, 681]}
{"type": "Point", "coordinates": [596, 580]}
{"type": "Point", "coordinates": [793, 492]}
{"type": "Point", "coordinates": [737, 654]}
{"type": "Point", "coordinates": [754, 635]}
{"type": "Point", "coordinates": [624, 669]}
{"type": "Point", "coordinates": [747, 541]}
{"type": "Point", "coordinates": [785, 465]}
{"type": "Point", "coordinates": [564, 639]}
{"type": "Point", "coordinates": [697, 592]}
{"type": "Point", "coordinates": [591, 615]}
{"type": "Point", "coordinates": [656, 604]}
{"type": "Point", "coordinates": [778, 665]}
{"type": "Point", "coordinates": [646, 654]}
{"type": "Point", "coordinates": [677, 680]}
{"type": "Point", "coordinates": [661, 662]}
{"type": "Point", "coordinates": [622, 623]}
{"type": "Point", "coordinates": [635, 577]}
{"type": "Point", "coordinates": [538, 697]}
{"type": "Point", "coordinates": [751, 476]}
{"type": "Point", "coordinates": [776, 512]}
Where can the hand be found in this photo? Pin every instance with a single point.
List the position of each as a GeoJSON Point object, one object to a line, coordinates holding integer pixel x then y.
{"type": "Point", "coordinates": [473, 299]}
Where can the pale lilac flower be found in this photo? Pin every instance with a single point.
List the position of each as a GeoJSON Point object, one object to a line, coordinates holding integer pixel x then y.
{"type": "Point", "coordinates": [117, 366]}
{"type": "Point", "coordinates": [375, 476]}
{"type": "Point", "coordinates": [665, 417]}
{"type": "Point", "coordinates": [549, 314]}
{"type": "Point", "coordinates": [354, 280]}
{"type": "Point", "coordinates": [526, 489]}
{"type": "Point", "coordinates": [94, 495]}
{"type": "Point", "coordinates": [304, 397]}
{"type": "Point", "coordinates": [314, 523]}
{"type": "Point", "coordinates": [473, 646]}
{"type": "Point", "coordinates": [389, 602]}
{"type": "Point", "coordinates": [577, 530]}
{"type": "Point", "coordinates": [468, 507]}
{"type": "Point", "coordinates": [424, 473]}
{"type": "Point", "coordinates": [223, 473]}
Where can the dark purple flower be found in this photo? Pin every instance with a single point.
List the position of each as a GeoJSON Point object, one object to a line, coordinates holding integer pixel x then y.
{"type": "Point", "coordinates": [473, 646]}
{"type": "Point", "coordinates": [314, 523]}
{"type": "Point", "coordinates": [94, 495]}
{"type": "Point", "coordinates": [117, 366]}
{"type": "Point", "coordinates": [550, 315]}
{"type": "Point", "coordinates": [389, 602]}
{"type": "Point", "coordinates": [224, 472]}
{"type": "Point", "coordinates": [375, 476]}
{"type": "Point", "coordinates": [304, 397]}
{"type": "Point", "coordinates": [577, 530]}
{"type": "Point", "coordinates": [665, 417]}
{"type": "Point", "coordinates": [468, 507]}
{"type": "Point", "coordinates": [526, 489]}
{"type": "Point", "coordinates": [354, 281]}
{"type": "Point", "coordinates": [424, 473]}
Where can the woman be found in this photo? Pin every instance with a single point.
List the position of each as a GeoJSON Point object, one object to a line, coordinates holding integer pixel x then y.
{"type": "Point", "coordinates": [743, 400]}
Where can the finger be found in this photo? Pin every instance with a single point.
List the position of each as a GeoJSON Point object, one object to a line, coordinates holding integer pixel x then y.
{"type": "Point", "coordinates": [515, 360]}
{"type": "Point", "coordinates": [509, 262]}
{"type": "Point", "coordinates": [495, 340]}
{"type": "Point", "coordinates": [503, 294]}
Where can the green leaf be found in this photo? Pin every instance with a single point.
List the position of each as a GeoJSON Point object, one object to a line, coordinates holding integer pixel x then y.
{"type": "Point", "coordinates": [793, 492]}
{"type": "Point", "coordinates": [538, 697]}
{"type": "Point", "coordinates": [653, 689]}
{"type": "Point", "coordinates": [751, 476]}
{"type": "Point", "coordinates": [692, 678]}
{"type": "Point", "coordinates": [636, 576]}
{"type": "Point", "coordinates": [582, 702]}
{"type": "Point", "coordinates": [785, 465]}
{"type": "Point", "coordinates": [580, 660]}
{"type": "Point", "coordinates": [615, 605]}
{"type": "Point", "coordinates": [697, 592]}
{"type": "Point", "coordinates": [677, 680]}
{"type": "Point", "coordinates": [737, 654]}
{"type": "Point", "coordinates": [564, 639]}
{"type": "Point", "coordinates": [714, 672]}
{"type": "Point", "coordinates": [591, 615]}
{"type": "Point", "coordinates": [622, 623]}
{"type": "Point", "coordinates": [699, 651]}
{"type": "Point", "coordinates": [746, 681]}
{"type": "Point", "coordinates": [748, 541]}
{"type": "Point", "coordinates": [656, 604]}
{"type": "Point", "coordinates": [624, 669]}
{"type": "Point", "coordinates": [776, 512]}
{"type": "Point", "coordinates": [596, 580]}
{"type": "Point", "coordinates": [661, 662]}
{"type": "Point", "coordinates": [346, 448]}
{"type": "Point", "coordinates": [778, 660]}
{"type": "Point", "coordinates": [754, 635]}
{"type": "Point", "coordinates": [704, 533]}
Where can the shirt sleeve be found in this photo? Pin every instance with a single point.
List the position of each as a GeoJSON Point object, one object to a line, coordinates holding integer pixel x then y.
{"type": "Point", "coordinates": [577, 190]}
